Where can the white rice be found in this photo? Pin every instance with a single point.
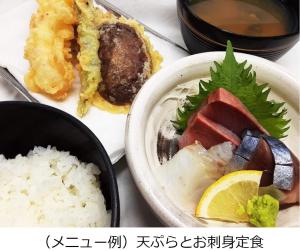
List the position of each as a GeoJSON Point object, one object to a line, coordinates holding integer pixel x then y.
{"type": "Point", "coordinates": [50, 188]}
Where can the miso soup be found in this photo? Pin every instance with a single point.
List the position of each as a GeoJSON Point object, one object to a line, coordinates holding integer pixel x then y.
{"type": "Point", "coordinates": [261, 18]}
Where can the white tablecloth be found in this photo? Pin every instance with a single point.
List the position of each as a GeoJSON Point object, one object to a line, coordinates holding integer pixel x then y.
{"type": "Point", "coordinates": [161, 16]}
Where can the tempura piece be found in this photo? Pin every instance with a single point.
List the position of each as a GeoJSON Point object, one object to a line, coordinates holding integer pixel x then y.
{"type": "Point", "coordinates": [89, 62]}
{"type": "Point", "coordinates": [48, 48]}
{"type": "Point", "coordinates": [127, 60]}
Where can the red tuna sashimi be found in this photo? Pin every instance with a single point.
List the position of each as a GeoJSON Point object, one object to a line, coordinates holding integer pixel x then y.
{"type": "Point", "coordinates": [224, 108]}
{"type": "Point", "coordinates": [207, 132]}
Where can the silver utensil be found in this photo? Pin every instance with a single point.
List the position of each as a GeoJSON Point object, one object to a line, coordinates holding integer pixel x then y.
{"type": "Point", "coordinates": [119, 12]}
{"type": "Point", "coordinates": [6, 75]}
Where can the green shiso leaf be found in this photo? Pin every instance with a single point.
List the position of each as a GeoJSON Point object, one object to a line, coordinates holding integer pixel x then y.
{"type": "Point", "coordinates": [240, 80]}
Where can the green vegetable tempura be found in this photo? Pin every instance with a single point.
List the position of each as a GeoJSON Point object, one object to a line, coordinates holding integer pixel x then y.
{"type": "Point", "coordinates": [263, 211]}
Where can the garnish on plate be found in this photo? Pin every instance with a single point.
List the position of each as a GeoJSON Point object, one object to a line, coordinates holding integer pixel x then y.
{"type": "Point", "coordinates": [239, 80]}
{"type": "Point", "coordinates": [237, 194]}
{"type": "Point", "coordinates": [263, 211]}
{"type": "Point", "coordinates": [226, 199]}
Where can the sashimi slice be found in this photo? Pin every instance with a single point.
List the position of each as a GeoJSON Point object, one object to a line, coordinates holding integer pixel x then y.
{"type": "Point", "coordinates": [207, 132]}
{"type": "Point", "coordinates": [185, 177]}
{"type": "Point", "coordinates": [224, 108]}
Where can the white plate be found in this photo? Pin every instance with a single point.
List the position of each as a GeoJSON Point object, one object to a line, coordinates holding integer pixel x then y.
{"type": "Point", "coordinates": [141, 133]}
{"type": "Point", "coordinates": [109, 128]}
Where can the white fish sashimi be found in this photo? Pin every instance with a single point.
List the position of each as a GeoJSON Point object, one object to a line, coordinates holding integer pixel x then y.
{"type": "Point", "coordinates": [185, 177]}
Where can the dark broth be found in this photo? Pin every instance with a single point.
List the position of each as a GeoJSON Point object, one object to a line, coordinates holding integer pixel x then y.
{"type": "Point", "coordinates": [261, 18]}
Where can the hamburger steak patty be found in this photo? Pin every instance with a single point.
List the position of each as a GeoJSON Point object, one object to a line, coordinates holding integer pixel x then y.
{"type": "Point", "coordinates": [125, 64]}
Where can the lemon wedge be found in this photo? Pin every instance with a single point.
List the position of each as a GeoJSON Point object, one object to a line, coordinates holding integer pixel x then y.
{"type": "Point", "coordinates": [227, 198]}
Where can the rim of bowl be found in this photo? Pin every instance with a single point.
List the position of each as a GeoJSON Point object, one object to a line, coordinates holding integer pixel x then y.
{"type": "Point", "coordinates": [202, 36]}
{"type": "Point", "coordinates": [292, 33]}
{"type": "Point", "coordinates": [135, 133]}
{"type": "Point", "coordinates": [115, 202]}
